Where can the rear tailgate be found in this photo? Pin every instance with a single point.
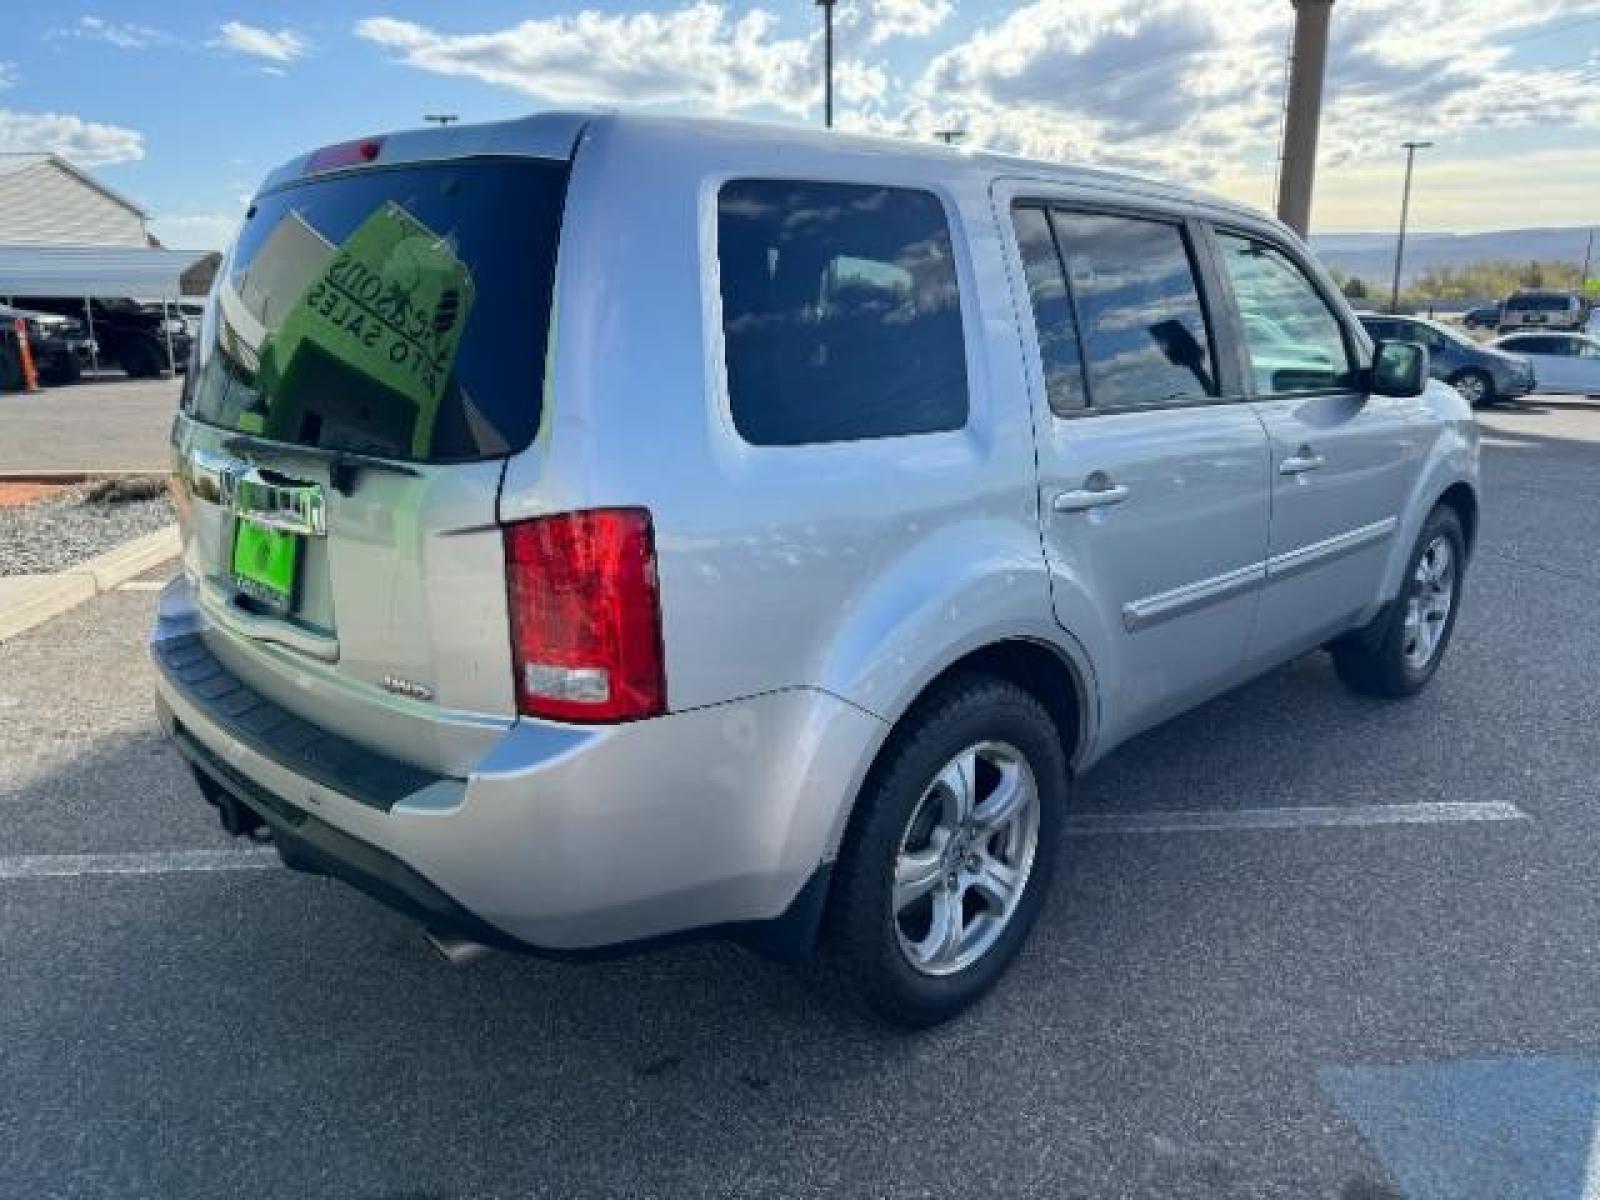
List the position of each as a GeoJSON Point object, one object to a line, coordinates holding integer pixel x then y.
{"type": "Point", "coordinates": [373, 353]}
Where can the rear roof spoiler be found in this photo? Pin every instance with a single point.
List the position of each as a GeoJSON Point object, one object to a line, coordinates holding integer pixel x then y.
{"type": "Point", "coordinates": [546, 135]}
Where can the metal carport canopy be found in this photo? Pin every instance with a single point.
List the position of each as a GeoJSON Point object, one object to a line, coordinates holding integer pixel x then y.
{"type": "Point", "coordinates": [78, 271]}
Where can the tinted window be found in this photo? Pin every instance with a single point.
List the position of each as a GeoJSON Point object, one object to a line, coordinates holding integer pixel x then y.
{"type": "Point", "coordinates": [1143, 332]}
{"type": "Point", "coordinates": [1422, 334]}
{"type": "Point", "coordinates": [1380, 330]}
{"type": "Point", "coordinates": [401, 312]}
{"type": "Point", "coordinates": [1538, 302]}
{"type": "Point", "coordinates": [1307, 351]}
{"type": "Point", "coordinates": [1052, 311]}
{"type": "Point", "coordinates": [840, 312]}
{"type": "Point", "coordinates": [1538, 345]}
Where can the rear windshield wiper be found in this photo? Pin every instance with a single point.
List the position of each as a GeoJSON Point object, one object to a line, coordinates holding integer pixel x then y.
{"type": "Point", "coordinates": [342, 464]}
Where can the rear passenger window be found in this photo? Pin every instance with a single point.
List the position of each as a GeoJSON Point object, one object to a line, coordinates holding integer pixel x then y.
{"type": "Point", "coordinates": [1144, 333]}
{"type": "Point", "coordinates": [840, 312]}
{"type": "Point", "coordinates": [1052, 311]}
{"type": "Point", "coordinates": [1295, 342]}
{"type": "Point", "coordinates": [1538, 345]}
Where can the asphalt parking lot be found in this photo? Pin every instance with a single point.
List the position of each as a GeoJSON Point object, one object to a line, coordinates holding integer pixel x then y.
{"type": "Point", "coordinates": [109, 425]}
{"type": "Point", "coordinates": [1351, 1011]}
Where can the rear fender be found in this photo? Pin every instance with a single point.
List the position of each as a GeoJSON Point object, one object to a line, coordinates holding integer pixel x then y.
{"type": "Point", "coordinates": [972, 585]}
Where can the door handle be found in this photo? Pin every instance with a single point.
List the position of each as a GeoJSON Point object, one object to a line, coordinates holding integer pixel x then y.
{"type": "Point", "coordinates": [1102, 494]}
{"type": "Point", "coordinates": [1302, 460]}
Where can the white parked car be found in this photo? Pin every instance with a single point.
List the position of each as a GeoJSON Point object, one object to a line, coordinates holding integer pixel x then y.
{"type": "Point", "coordinates": [1562, 362]}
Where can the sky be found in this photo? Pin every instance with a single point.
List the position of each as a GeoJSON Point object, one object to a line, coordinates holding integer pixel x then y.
{"type": "Point", "coordinates": [185, 106]}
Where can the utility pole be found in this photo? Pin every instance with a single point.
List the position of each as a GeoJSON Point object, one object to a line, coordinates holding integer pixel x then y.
{"type": "Point", "coordinates": [827, 61]}
{"type": "Point", "coordinates": [1588, 257]}
{"type": "Point", "coordinates": [1283, 111]}
{"type": "Point", "coordinates": [440, 118]}
{"type": "Point", "coordinates": [1311, 19]}
{"type": "Point", "coordinates": [1405, 210]}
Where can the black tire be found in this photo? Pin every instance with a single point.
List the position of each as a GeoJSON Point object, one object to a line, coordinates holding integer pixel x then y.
{"type": "Point", "coordinates": [62, 370]}
{"type": "Point", "coordinates": [1475, 386]}
{"type": "Point", "coordinates": [862, 935]}
{"type": "Point", "coordinates": [140, 359]}
{"type": "Point", "coordinates": [10, 370]}
{"type": "Point", "coordinates": [1375, 660]}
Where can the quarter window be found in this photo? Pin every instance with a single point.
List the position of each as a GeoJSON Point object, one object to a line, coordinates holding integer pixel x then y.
{"type": "Point", "coordinates": [1052, 311]}
{"type": "Point", "coordinates": [840, 312]}
{"type": "Point", "coordinates": [1143, 330]}
{"type": "Point", "coordinates": [1295, 342]}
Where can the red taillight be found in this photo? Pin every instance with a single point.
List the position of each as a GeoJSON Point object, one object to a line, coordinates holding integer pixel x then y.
{"type": "Point", "coordinates": [586, 616]}
{"type": "Point", "coordinates": [344, 154]}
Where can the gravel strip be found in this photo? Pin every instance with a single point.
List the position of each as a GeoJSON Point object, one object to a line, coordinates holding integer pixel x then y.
{"type": "Point", "coordinates": [55, 534]}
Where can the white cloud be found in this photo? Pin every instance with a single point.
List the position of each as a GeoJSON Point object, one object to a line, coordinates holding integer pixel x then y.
{"type": "Point", "coordinates": [85, 143]}
{"type": "Point", "coordinates": [124, 35]}
{"type": "Point", "coordinates": [1192, 90]}
{"type": "Point", "coordinates": [877, 21]}
{"type": "Point", "coordinates": [8, 75]}
{"type": "Point", "coordinates": [280, 46]}
{"type": "Point", "coordinates": [195, 231]}
{"type": "Point", "coordinates": [696, 55]}
{"type": "Point", "coordinates": [1187, 89]}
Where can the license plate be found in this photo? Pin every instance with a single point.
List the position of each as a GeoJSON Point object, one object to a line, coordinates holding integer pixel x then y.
{"type": "Point", "coordinates": [266, 565]}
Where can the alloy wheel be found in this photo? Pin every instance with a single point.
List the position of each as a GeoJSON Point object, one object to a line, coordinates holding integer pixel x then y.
{"type": "Point", "coordinates": [1472, 388]}
{"type": "Point", "coordinates": [964, 858]}
{"type": "Point", "coordinates": [1428, 603]}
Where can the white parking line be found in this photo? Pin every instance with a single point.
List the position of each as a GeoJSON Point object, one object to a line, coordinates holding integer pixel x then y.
{"type": "Point", "coordinates": [1326, 817]}
{"type": "Point", "coordinates": [257, 858]}
{"type": "Point", "coordinates": [161, 862]}
{"type": "Point", "coordinates": [142, 585]}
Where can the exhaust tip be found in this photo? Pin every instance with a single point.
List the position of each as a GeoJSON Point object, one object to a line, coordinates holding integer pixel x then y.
{"type": "Point", "coordinates": [458, 952]}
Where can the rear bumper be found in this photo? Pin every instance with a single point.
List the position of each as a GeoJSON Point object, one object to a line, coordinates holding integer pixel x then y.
{"type": "Point", "coordinates": [561, 839]}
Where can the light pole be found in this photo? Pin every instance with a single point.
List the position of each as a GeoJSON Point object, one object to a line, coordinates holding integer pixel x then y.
{"type": "Point", "coordinates": [1405, 209]}
{"type": "Point", "coordinates": [827, 60]}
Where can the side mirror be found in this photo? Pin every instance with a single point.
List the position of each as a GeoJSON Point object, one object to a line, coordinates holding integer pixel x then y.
{"type": "Point", "coordinates": [1399, 369]}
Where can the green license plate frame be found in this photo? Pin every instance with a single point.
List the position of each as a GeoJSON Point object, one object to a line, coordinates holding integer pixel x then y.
{"type": "Point", "coordinates": [266, 565]}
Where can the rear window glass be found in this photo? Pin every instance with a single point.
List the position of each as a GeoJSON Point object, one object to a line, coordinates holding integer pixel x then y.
{"type": "Point", "coordinates": [400, 312]}
{"type": "Point", "coordinates": [840, 312]}
{"type": "Point", "coordinates": [1536, 301]}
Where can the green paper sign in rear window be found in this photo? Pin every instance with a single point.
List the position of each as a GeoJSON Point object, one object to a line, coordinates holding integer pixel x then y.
{"type": "Point", "coordinates": [398, 311]}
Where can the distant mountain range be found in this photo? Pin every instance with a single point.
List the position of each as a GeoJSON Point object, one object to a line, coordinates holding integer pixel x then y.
{"type": "Point", "coordinates": [1371, 255]}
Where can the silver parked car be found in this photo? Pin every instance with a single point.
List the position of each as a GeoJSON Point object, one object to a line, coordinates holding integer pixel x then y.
{"type": "Point", "coordinates": [599, 530]}
{"type": "Point", "coordinates": [1563, 362]}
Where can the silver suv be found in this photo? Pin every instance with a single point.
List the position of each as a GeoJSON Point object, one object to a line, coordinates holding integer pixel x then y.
{"type": "Point", "coordinates": [600, 530]}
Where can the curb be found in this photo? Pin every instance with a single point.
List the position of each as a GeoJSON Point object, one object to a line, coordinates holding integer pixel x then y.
{"type": "Point", "coordinates": [54, 594]}
{"type": "Point", "coordinates": [70, 477]}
